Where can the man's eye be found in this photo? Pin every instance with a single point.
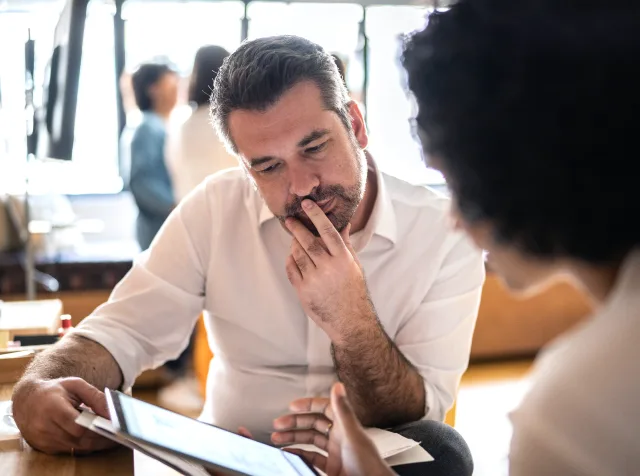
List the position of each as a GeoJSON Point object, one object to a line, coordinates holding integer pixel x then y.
{"type": "Point", "coordinates": [269, 169]}
{"type": "Point", "coordinates": [316, 149]}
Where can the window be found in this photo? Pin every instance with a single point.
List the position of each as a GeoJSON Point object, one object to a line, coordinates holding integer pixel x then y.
{"type": "Point", "coordinates": [174, 30]}
{"type": "Point", "coordinates": [14, 28]}
{"type": "Point", "coordinates": [94, 165]}
{"type": "Point", "coordinates": [390, 108]}
{"type": "Point", "coordinates": [333, 26]}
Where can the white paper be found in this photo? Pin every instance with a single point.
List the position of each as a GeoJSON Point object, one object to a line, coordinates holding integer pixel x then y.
{"type": "Point", "coordinates": [417, 454]}
{"type": "Point", "coordinates": [395, 449]}
{"type": "Point", "coordinates": [8, 428]}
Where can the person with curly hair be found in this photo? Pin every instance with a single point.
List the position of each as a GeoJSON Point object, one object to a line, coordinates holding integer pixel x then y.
{"type": "Point", "coordinates": [530, 109]}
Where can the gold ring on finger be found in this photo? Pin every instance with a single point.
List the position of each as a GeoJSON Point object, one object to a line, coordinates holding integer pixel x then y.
{"type": "Point", "coordinates": [328, 429]}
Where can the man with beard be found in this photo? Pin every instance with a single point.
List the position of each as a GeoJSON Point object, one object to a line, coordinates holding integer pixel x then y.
{"type": "Point", "coordinates": [305, 262]}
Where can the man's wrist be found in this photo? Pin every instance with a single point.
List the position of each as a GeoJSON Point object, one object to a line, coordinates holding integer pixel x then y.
{"type": "Point", "coordinates": [365, 328]}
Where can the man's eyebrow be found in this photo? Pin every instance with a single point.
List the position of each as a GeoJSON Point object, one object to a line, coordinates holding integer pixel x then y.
{"type": "Point", "coordinates": [260, 161]}
{"type": "Point", "coordinates": [315, 135]}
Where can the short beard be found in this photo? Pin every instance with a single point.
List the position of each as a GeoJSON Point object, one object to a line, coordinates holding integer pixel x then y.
{"type": "Point", "coordinates": [348, 199]}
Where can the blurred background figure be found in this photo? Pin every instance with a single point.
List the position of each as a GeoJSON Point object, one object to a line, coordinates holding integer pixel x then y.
{"type": "Point", "coordinates": [194, 150]}
{"type": "Point", "coordinates": [155, 87]}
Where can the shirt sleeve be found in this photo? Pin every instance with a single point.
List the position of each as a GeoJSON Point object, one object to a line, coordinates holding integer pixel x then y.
{"type": "Point", "coordinates": [152, 193]}
{"type": "Point", "coordinates": [436, 339]}
{"type": "Point", "coordinates": [151, 313]}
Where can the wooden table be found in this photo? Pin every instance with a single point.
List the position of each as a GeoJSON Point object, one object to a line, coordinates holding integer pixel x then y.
{"type": "Point", "coordinates": [119, 461]}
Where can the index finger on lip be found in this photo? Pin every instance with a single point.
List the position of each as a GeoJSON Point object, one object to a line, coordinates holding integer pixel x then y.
{"type": "Point", "coordinates": [327, 231]}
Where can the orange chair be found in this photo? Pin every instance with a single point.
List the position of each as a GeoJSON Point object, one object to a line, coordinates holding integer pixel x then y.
{"type": "Point", "coordinates": [202, 356]}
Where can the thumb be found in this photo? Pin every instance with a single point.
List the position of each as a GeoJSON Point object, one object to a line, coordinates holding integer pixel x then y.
{"type": "Point", "coordinates": [242, 431]}
{"type": "Point", "coordinates": [342, 409]}
{"type": "Point", "coordinates": [87, 394]}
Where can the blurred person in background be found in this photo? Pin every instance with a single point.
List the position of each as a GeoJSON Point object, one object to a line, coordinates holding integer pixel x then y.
{"type": "Point", "coordinates": [194, 150]}
{"type": "Point", "coordinates": [155, 87]}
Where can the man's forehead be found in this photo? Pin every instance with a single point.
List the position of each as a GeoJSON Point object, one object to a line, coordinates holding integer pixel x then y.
{"type": "Point", "coordinates": [253, 130]}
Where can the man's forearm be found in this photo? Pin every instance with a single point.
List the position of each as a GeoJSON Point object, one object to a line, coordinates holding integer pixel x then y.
{"type": "Point", "coordinates": [76, 356]}
{"type": "Point", "coordinates": [386, 390]}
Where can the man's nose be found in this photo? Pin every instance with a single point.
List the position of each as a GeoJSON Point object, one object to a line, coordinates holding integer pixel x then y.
{"type": "Point", "coordinates": [302, 181]}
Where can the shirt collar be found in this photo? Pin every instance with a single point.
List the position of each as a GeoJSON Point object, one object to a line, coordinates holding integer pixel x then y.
{"type": "Point", "coordinates": [382, 220]}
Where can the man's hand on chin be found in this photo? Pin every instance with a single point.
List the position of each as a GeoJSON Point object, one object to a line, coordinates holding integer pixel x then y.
{"type": "Point", "coordinates": [327, 276]}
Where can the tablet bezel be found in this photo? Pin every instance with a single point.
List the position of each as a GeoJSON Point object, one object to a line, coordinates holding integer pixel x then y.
{"type": "Point", "coordinates": [120, 424]}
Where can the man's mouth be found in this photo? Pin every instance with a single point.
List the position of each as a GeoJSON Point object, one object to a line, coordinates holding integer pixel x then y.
{"type": "Point", "coordinates": [326, 205]}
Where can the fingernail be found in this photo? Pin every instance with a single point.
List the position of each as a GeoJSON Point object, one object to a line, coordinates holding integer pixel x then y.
{"type": "Point", "coordinates": [340, 391]}
{"type": "Point", "coordinates": [288, 222]}
{"type": "Point", "coordinates": [307, 204]}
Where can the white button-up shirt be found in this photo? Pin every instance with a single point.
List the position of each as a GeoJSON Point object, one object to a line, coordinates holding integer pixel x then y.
{"type": "Point", "coordinates": [223, 251]}
{"type": "Point", "coordinates": [581, 415]}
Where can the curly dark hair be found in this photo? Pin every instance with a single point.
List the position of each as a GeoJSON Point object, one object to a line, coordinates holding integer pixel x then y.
{"type": "Point", "coordinates": [259, 72]}
{"type": "Point", "coordinates": [532, 109]}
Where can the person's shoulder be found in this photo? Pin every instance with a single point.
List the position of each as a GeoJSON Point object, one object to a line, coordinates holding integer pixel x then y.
{"type": "Point", "coordinates": [583, 384]}
{"type": "Point", "coordinates": [230, 188]}
{"type": "Point", "coordinates": [423, 223]}
{"type": "Point", "coordinates": [418, 208]}
{"type": "Point", "coordinates": [233, 178]}
{"type": "Point", "coordinates": [408, 195]}
{"type": "Point", "coordinates": [224, 195]}
{"type": "Point", "coordinates": [149, 127]}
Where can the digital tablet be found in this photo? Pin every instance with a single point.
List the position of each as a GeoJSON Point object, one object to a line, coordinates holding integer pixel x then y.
{"type": "Point", "coordinates": [210, 446]}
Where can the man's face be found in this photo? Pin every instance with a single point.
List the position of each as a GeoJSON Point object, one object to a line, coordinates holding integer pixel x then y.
{"type": "Point", "coordinates": [297, 149]}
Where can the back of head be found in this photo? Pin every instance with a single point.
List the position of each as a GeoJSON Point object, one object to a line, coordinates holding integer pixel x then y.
{"type": "Point", "coordinates": [145, 76]}
{"type": "Point", "coordinates": [206, 64]}
{"type": "Point", "coordinates": [531, 109]}
{"type": "Point", "coordinates": [259, 72]}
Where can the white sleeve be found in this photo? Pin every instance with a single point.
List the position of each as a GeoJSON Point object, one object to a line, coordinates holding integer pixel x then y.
{"type": "Point", "coordinates": [436, 339]}
{"type": "Point", "coordinates": [151, 313]}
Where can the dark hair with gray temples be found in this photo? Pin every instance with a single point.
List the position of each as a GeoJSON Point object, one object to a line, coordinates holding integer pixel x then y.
{"type": "Point", "coordinates": [260, 71]}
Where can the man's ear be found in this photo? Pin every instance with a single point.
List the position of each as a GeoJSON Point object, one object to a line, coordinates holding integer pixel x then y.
{"type": "Point", "coordinates": [358, 125]}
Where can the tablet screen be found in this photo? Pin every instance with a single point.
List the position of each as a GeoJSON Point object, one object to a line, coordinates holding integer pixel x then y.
{"type": "Point", "coordinates": [205, 442]}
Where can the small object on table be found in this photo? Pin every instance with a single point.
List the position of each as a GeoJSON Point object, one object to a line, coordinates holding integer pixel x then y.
{"type": "Point", "coordinates": [65, 325]}
{"type": "Point", "coordinates": [4, 339]}
{"type": "Point", "coordinates": [31, 340]}
{"type": "Point", "coordinates": [31, 317]}
{"type": "Point", "coordinates": [10, 437]}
